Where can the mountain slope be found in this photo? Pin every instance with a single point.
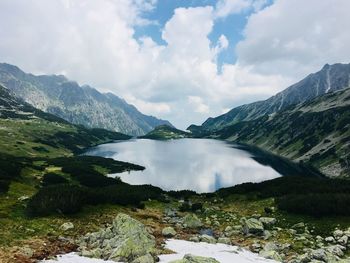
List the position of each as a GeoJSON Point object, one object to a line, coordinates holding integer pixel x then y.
{"type": "Point", "coordinates": [330, 78]}
{"type": "Point", "coordinates": [27, 131]}
{"type": "Point", "coordinates": [77, 104]}
{"type": "Point", "coordinates": [317, 131]}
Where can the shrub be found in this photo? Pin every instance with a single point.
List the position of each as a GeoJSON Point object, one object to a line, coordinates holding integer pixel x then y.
{"type": "Point", "coordinates": [52, 178]}
{"type": "Point", "coordinates": [66, 199]}
{"type": "Point", "coordinates": [316, 204]}
{"type": "Point", "coordinates": [4, 186]}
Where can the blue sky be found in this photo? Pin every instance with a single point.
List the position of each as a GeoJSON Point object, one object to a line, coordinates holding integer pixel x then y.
{"type": "Point", "coordinates": [231, 26]}
{"type": "Point", "coordinates": [180, 60]}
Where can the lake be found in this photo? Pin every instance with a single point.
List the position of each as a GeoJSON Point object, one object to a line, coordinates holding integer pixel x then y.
{"type": "Point", "coordinates": [202, 165]}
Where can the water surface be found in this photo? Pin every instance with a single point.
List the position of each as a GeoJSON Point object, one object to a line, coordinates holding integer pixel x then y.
{"type": "Point", "coordinates": [202, 165]}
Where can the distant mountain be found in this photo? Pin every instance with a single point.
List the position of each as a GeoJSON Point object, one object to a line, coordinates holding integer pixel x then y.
{"type": "Point", "coordinates": [330, 78]}
{"type": "Point", "coordinates": [77, 104]}
{"type": "Point", "coordinates": [28, 132]}
{"type": "Point", "coordinates": [165, 132]}
{"type": "Point", "coordinates": [316, 132]}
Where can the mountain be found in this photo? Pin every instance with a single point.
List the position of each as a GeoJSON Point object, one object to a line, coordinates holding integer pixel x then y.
{"type": "Point", "coordinates": [165, 132]}
{"type": "Point", "coordinates": [77, 104]}
{"type": "Point", "coordinates": [27, 131]}
{"type": "Point", "coordinates": [316, 132]}
{"type": "Point", "coordinates": [330, 78]}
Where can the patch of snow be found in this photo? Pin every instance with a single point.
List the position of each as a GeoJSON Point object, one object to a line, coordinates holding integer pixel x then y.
{"type": "Point", "coordinates": [328, 81]}
{"type": "Point", "coordinates": [221, 252]}
{"type": "Point", "coordinates": [74, 258]}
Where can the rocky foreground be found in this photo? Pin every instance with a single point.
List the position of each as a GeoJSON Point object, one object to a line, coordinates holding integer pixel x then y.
{"type": "Point", "coordinates": [128, 240]}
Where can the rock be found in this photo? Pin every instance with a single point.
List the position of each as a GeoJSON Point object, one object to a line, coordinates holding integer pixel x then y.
{"type": "Point", "coordinates": [343, 240]}
{"type": "Point", "coordinates": [194, 239]}
{"type": "Point", "coordinates": [336, 250]}
{"type": "Point", "coordinates": [329, 239]}
{"type": "Point", "coordinates": [253, 226]}
{"type": "Point", "coordinates": [271, 246]}
{"type": "Point", "coordinates": [267, 234]}
{"type": "Point", "coordinates": [26, 251]}
{"type": "Point", "coordinates": [338, 233]}
{"type": "Point", "coordinates": [268, 221]}
{"type": "Point", "coordinates": [192, 221]}
{"type": "Point", "coordinates": [144, 259]}
{"type": "Point", "coordinates": [319, 254]}
{"type": "Point", "coordinates": [224, 240]}
{"type": "Point", "coordinates": [23, 198]}
{"type": "Point", "coordinates": [207, 239]}
{"type": "Point", "coordinates": [67, 226]}
{"type": "Point", "coordinates": [255, 247]}
{"type": "Point", "coordinates": [188, 258]}
{"type": "Point", "coordinates": [271, 255]}
{"type": "Point", "coordinates": [298, 225]}
{"type": "Point", "coordinates": [228, 229]}
{"type": "Point", "coordinates": [127, 240]}
{"type": "Point", "coordinates": [305, 258]}
{"type": "Point", "coordinates": [168, 231]}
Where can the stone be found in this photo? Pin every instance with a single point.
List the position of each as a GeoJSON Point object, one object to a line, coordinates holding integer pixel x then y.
{"type": "Point", "coordinates": [26, 251]}
{"type": "Point", "coordinates": [253, 226]}
{"type": "Point", "coordinates": [192, 221]}
{"type": "Point", "coordinates": [168, 231]}
{"type": "Point", "coordinates": [144, 259]}
{"type": "Point", "coordinates": [271, 246]}
{"type": "Point", "coordinates": [336, 250]}
{"type": "Point", "coordinates": [271, 255]}
{"type": "Point", "coordinates": [267, 234]}
{"type": "Point", "coordinates": [298, 225]}
{"type": "Point", "coordinates": [338, 233]}
{"type": "Point", "coordinates": [207, 239]}
{"type": "Point", "coordinates": [343, 240]}
{"type": "Point", "coordinates": [224, 240]}
{"type": "Point", "coordinates": [268, 221]}
{"type": "Point", "coordinates": [67, 226]}
{"type": "Point", "coordinates": [319, 254]}
{"type": "Point", "coordinates": [329, 239]}
{"type": "Point", "coordinates": [194, 239]}
{"type": "Point", "coordinates": [130, 241]}
{"type": "Point", "coordinates": [189, 258]}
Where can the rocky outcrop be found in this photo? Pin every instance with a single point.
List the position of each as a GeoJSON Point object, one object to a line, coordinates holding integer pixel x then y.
{"type": "Point", "coordinates": [192, 221]}
{"type": "Point", "coordinates": [168, 231]}
{"type": "Point", "coordinates": [253, 226]}
{"type": "Point", "coordinates": [126, 240]}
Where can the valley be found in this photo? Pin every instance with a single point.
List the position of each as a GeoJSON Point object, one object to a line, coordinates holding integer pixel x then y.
{"type": "Point", "coordinates": [52, 195]}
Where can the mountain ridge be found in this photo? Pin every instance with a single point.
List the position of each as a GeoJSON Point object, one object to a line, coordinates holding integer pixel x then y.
{"type": "Point", "coordinates": [77, 104]}
{"type": "Point", "coordinates": [329, 78]}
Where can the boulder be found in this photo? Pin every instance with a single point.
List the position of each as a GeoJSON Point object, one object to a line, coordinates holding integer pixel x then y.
{"type": "Point", "coordinates": [224, 240]}
{"type": "Point", "coordinates": [271, 254]}
{"type": "Point", "coordinates": [189, 258]}
{"type": "Point", "coordinates": [253, 226]}
{"type": "Point", "coordinates": [343, 240]}
{"type": "Point", "coordinates": [207, 239]}
{"type": "Point", "coordinates": [268, 221]}
{"type": "Point", "coordinates": [67, 226]}
{"type": "Point", "coordinates": [192, 221]}
{"type": "Point", "coordinates": [168, 231]}
{"type": "Point", "coordinates": [144, 259]}
{"type": "Point", "coordinates": [338, 233]}
{"type": "Point", "coordinates": [329, 239]}
{"type": "Point", "coordinates": [127, 240]}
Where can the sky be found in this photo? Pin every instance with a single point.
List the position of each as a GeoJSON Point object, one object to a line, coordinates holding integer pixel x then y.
{"type": "Point", "coordinates": [180, 60]}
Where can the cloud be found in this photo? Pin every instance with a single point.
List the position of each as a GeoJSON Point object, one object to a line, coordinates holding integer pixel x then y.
{"type": "Point", "coordinates": [94, 42]}
{"type": "Point", "coordinates": [198, 104]}
{"type": "Point", "coordinates": [293, 38]}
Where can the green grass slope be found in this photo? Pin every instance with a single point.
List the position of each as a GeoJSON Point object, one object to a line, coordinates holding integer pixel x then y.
{"type": "Point", "coordinates": [317, 132]}
{"type": "Point", "coordinates": [165, 132]}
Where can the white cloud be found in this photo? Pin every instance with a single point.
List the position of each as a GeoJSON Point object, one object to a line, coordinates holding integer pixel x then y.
{"type": "Point", "coordinates": [228, 7]}
{"type": "Point", "coordinates": [94, 42]}
{"type": "Point", "coordinates": [198, 104]}
{"type": "Point", "coordinates": [294, 38]}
